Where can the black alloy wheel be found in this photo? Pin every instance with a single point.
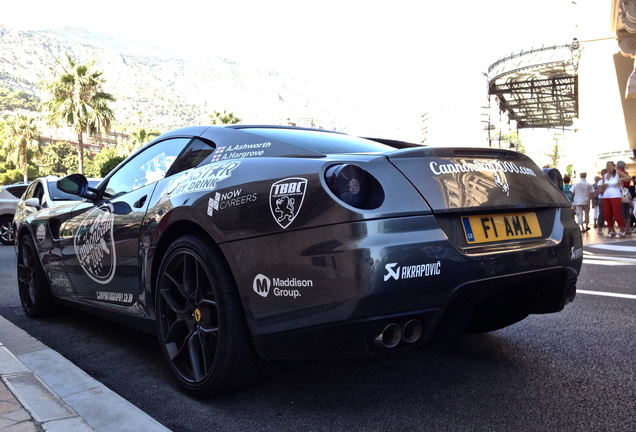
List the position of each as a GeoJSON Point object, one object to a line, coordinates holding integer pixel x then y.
{"type": "Point", "coordinates": [200, 321]}
{"type": "Point", "coordinates": [34, 290]}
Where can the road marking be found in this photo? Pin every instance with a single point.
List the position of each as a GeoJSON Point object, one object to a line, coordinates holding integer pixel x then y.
{"type": "Point", "coordinates": [614, 247]}
{"type": "Point", "coordinates": [606, 294]}
{"type": "Point", "coordinates": [608, 261]}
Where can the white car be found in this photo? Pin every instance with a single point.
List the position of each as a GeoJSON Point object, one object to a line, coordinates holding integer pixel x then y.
{"type": "Point", "coordinates": [9, 197]}
{"type": "Point", "coordinates": [43, 193]}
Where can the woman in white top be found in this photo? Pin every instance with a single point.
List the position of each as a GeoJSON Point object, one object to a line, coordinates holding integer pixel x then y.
{"type": "Point", "coordinates": [612, 199]}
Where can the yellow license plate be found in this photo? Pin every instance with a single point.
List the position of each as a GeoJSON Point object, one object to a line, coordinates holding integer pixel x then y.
{"type": "Point", "coordinates": [491, 228]}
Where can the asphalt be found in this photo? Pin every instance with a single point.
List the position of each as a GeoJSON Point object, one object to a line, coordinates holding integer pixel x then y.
{"type": "Point", "coordinates": [40, 390]}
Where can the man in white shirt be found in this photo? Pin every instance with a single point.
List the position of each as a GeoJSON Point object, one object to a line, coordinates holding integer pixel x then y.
{"type": "Point", "coordinates": [582, 194]}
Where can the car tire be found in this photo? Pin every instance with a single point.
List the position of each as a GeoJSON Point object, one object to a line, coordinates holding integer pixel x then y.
{"type": "Point", "coordinates": [200, 321]}
{"type": "Point", "coordinates": [6, 230]}
{"type": "Point", "coordinates": [35, 292]}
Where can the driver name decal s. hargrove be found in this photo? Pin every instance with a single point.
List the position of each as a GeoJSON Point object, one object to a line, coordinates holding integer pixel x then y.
{"type": "Point", "coordinates": [95, 245]}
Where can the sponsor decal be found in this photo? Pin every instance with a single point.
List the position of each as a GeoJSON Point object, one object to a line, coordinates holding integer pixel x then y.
{"type": "Point", "coordinates": [205, 178]}
{"type": "Point", "coordinates": [576, 253]}
{"type": "Point", "coordinates": [225, 200]}
{"type": "Point", "coordinates": [240, 151]}
{"type": "Point", "coordinates": [114, 297]}
{"type": "Point", "coordinates": [60, 280]}
{"type": "Point", "coordinates": [480, 166]}
{"type": "Point", "coordinates": [287, 287]}
{"type": "Point", "coordinates": [286, 198]}
{"type": "Point", "coordinates": [95, 245]}
{"type": "Point", "coordinates": [411, 272]}
{"type": "Point", "coordinates": [502, 182]}
{"type": "Point", "coordinates": [40, 232]}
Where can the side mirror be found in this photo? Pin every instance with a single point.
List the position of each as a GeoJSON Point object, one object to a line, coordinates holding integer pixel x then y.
{"type": "Point", "coordinates": [75, 184]}
{"type": "Point", "coordinates": [32, 202]}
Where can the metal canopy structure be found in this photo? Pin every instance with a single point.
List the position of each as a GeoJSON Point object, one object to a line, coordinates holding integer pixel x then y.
{"type": "Point", "coordinates": [538, 88]}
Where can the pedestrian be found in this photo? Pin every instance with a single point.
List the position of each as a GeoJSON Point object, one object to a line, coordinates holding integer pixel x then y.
{"type": "Point", "coordinates": [582, 195]}
{"type": "Point", "coordinates": [612, 208]}
{"type": "Point", "coordinates": [632, 191]}
{"type": "Point", "coordinates": [600, 187]}
{"type": "Point", "coordinates": [625, 206]}
{"type": "Point", "coordinates": [595, 201]}
{"type": "Point", "coordinates": [567, 187]}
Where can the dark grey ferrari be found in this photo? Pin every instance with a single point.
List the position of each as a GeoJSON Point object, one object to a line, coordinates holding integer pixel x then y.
{"type": "Point", "coordinates": [240, 244]}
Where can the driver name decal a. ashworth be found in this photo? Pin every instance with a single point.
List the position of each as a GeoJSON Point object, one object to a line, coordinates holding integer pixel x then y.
{"type": "Point", "coordinates": [95, 245]}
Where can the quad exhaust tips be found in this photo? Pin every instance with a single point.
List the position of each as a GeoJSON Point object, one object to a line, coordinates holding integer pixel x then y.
{"type": "Point", "coordinates": [392, 334]}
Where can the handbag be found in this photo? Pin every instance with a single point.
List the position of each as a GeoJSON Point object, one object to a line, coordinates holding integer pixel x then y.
{"type": "Point", "coordinates": [626, 197]}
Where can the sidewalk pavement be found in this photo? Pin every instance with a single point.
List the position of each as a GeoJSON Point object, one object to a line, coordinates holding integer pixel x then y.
{"type": "Point", "coordinates": [40, 390]}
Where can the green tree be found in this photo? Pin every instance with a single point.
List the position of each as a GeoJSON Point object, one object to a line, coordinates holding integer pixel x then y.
{"type": "Point", "coordinates": [76, 99]}
{"type": "Point", "coordinates": [135, 141]}
{"type": "Point", "coordinates": [225, 118]}
{"type": "Point", "coordinates": [21, 136]}
{"type": "Point", "coordinates": [58, 159]}
{"type": "Point", "coordinates": [556, 153]}
{"type": "Point", "coordinates": [109, 165]}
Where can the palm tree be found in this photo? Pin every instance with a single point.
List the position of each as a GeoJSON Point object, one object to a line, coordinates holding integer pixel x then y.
{"type": "Point", "coordinates": [22, 137]}
{"type": "Point", "coordinates": [135, 141]}
{"type": "Point", "coordinates": [225, 118]}
{"type": "Point", "coordinates": [78, 101]}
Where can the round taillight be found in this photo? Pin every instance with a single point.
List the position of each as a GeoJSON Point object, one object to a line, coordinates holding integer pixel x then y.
{"type": "Point", "coordinates": [354, 186]}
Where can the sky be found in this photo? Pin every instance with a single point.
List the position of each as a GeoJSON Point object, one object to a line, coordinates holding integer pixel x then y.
{"type": "Point", "coordinates": [397, 59]}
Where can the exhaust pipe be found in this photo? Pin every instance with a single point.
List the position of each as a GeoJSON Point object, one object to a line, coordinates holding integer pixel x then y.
{"type": "Point", "coordinates": [412, 331]}
{"type": "Point", "coordinates": [389, 337]}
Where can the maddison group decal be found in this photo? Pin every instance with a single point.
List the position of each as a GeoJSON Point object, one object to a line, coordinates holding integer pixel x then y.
{"type": "Point", "coordinates": [288, 287]}
{"type": "Point", "coordinates": [95, 245]}
{"type": "Point", "coordinates": [480, 166]}
{"type": "Point", "coordinates": [413, 271]}
{"type": "Point", "coordinates": [240, 151]}
{"type": "Point", "coordinates": [230, 199]}
{"type": "Point", "coordinates": [286, 198]}
{"type": "Point", "coordinates": [204, 178]}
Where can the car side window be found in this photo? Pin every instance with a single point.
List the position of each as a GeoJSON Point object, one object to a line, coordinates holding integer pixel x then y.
{"type": "Point", "coordinates": [195, 155]}
{"type": "Point", "coordinates": [146, 167]}
{"type": "Point", "coordinates": [29, 193]}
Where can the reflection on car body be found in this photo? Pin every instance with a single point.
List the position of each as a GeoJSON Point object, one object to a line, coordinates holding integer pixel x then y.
{"type": "Point", "coordinates": [240, 244]}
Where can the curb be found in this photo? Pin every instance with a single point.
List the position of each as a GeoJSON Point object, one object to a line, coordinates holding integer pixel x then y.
{"type": "Point", "coordinates": [58, 395]}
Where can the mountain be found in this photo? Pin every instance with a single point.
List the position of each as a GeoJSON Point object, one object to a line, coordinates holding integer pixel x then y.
{"type": "Point", "coordinates": [159, 89]}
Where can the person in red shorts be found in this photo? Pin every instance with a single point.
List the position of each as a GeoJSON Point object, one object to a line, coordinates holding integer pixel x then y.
{"type": "Point", "coordinates": [612, 205]}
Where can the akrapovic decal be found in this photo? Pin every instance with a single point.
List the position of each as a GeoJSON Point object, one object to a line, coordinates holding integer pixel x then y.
{"type": "Point", "coordinates": [95, 245]}
{"type": "Point", "coordinates": [393, 271]}
{"type": "Point", "coordinates": [286, 198]}
{"type": "Point", "coordinates": [204, 178]}
{"type": "Point", "coordinates": [240, 151]}
{"type": "Point", "coordinates": [225, 200]}
{"type": "Point", "coordinates": [280, 287]}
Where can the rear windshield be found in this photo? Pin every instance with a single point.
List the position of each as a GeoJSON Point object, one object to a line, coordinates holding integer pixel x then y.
{"type": "Point", "coordinates": [322, 142]}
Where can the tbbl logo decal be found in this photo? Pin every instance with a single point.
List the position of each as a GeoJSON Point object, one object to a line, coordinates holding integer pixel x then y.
{"type": "Point", "coordinates": [286, 198]}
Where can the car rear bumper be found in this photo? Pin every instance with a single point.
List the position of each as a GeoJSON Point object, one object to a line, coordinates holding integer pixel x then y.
{"type": "Point", "coordinates": [336, 284]}
{"type": "Point", "coordinates": [476, 306]}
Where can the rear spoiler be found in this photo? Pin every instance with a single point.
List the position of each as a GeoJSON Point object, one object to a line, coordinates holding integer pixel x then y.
{"type": "Point", "coordinates": [394, 143]}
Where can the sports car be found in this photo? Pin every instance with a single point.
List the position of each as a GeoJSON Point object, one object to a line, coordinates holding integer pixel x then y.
{"type": "Point", "coordinates": [240, 244]}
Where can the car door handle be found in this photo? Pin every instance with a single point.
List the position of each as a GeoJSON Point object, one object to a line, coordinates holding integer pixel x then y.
{"type": "Point", "coordinates": [140, 203]}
